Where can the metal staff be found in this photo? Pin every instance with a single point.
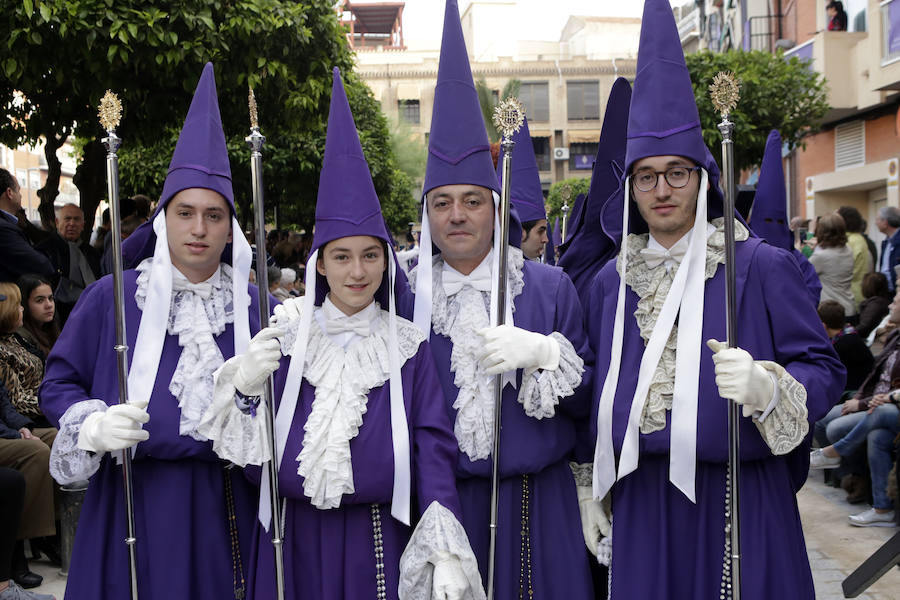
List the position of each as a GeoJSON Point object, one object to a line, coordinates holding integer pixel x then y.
{"type": "Point", "coordinates": [256, 140]}
{"type": "Point", "coordinates": [566, 193]}
{"type": "Point", "coordinates": [724, 92]}
{"type": "Point", "coordinates": [110, 113]}
{"type": "Point", "coordinates": [508, 118]}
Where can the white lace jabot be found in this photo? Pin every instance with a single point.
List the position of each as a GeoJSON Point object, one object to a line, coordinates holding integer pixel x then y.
{"type": "Point", "coordinates": [198, 313]}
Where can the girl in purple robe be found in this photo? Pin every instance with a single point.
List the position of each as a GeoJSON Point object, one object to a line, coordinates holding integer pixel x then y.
{"type": "Point", "coordinates": [360, 426]}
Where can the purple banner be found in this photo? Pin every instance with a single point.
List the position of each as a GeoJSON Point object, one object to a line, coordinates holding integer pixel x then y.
{"type": "Point", "coordinates": [893, 36]}
{"type": "Point", "coordinates": [584, 161]}
{"type": "Point", "coordinates": [745, 43]}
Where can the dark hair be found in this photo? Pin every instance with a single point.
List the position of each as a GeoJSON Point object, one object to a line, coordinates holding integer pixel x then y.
{"type": "Point", "coordinates": [527, 226]}
{"type": "Point", "coordinates": [274, 275]}
{"type": "Point", "coordinates": [852, 219]}
{"type": "Point", "coordinates": [141, 206]}
{"type": "Point", "coordinates": [831, 313]}
{"type": "Point", "coordinates": [7, 181]}
{"type": "Point", "coordinates": [45, 334]}
{"type": "Point", "coordinates": [875, 284]}
{"type": "Point", "coordinates": [831, 231]}
{"type": "Point", "coordinates": [836, 5]}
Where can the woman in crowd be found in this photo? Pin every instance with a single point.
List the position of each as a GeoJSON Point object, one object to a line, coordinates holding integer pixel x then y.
{"type": "Point", "coordinates": [876, 300]}
{"type": "Point", "coordinates": [833, 261]}
{"type": "Point", "coordinates": [40, 323]}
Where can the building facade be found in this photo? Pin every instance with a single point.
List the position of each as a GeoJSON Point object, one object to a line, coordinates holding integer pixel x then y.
{"type": "Point", "coordinates": [29, 167]}
{"type": "Point", "coordinates": [564, 84]}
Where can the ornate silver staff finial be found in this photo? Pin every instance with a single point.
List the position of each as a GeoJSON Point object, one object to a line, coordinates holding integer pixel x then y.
{"type": "Point", "coordinates": [254, 115]}
{"type": "Point", "coordinates": [725, 91]}
{"type": "Point", "coordinates": [509, 116]}
{"type": "Point", "coordinates": [110, 111]}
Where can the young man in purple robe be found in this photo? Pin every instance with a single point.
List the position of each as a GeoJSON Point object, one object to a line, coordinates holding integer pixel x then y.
{"type": "Point", "coordinates": [361, 425]}
{"type": "Point", "coordinates": [662, 444]}
{"type": "Point", "coordinates": [188, 308]}
{"type": "Point", "coordinates": [542, 352]}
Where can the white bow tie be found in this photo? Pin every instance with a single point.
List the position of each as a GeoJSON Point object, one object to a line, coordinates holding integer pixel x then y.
{"type": "Point", "coordinates": [657, 256]}
{"type": "Point", "coordinates": [454, 281]}
{"type": "Point", "coordinates": [202, 289]}
{"type": "Point", "coordinates": [357, 326]}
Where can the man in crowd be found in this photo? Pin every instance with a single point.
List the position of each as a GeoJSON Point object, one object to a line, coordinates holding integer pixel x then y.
{"type": "Point", "coordinates": [888, 223]}
{"type": "Point", "coordinates": [17, 257]}
{"type": "Point", "coordinates": [662, 444]}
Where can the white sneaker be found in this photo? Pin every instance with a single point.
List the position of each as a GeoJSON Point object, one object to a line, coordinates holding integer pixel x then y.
{"type": "Point", "coordinates": [818, 460]}
{"type": "Point", "coordinates": [872, 518]}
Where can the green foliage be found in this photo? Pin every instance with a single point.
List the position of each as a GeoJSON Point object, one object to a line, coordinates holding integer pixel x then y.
{"type": "Point", "coordinates": [152, 52]}
{"type": "Point", "coordinates": [776, 93]}
{"type": "Point", "coordinates": [488, 103]}
{"type": "Point", "coordinates": [575, 185]}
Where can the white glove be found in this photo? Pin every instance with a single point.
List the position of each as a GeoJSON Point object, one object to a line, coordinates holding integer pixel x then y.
{"type": "Point", "coordinates": [594, 522]}
{"type": "Point", "coordinates": [258, 362]}
{"type": "Point", "coordinates": [448, 581]}
{"type": "Point", "coordinates": [604, 551]}
{"type": "Point", "coordinates": [287, 311]}
{"type": "Point", "coordinates": [116, 428]}
{"type": "Point", "coordinates": [740, 379]}
{"type": "Point", "coordinates": [507, 348]}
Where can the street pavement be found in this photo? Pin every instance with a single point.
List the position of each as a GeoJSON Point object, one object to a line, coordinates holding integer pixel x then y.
{"type": "Point", "coordinates": [835, 547]}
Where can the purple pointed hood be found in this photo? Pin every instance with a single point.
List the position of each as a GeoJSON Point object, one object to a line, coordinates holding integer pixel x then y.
{"type": "Point", "coordinates": [458, 147]}
{"type": "Point", "coordinates": [347, 204]}
{"type": "Point", "coordinates": [200, 160]}
{"type": "Point", "coordinates": [592, 243]}
{"type": "Point", "coordinates": [525, 181]}
{"type": "Point", "coordinates": [769, 217]}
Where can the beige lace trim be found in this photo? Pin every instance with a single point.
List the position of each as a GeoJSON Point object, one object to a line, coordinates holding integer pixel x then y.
{"type": "Point", "coordinates": [652, 286]}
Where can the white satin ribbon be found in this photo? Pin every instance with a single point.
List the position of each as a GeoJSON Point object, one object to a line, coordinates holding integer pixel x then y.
{"type": "Point", "coordinates": [453, 281]}
{"type": "Point", "coordinates": [685, 297]}
{"type": "Point", "coordinates": [657, 256]}
{"type": "Point", "coordinates": [422, 307]}
{"type": "Point", "coordinates": [338, 326]}
{"type": "Point", "coordinates": [400, 500]}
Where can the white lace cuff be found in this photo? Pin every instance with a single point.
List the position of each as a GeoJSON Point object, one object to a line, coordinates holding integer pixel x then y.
{"type": "Point", "coordinates": [540, 395]}
{"type": "Point", "coordinates": [236, 436]}
{"type": "Point", "coordinates": [583, 473]}
{"type": "Point", "coordinates": [437, 534]}
{"type": "Point", "coordinates": [69, 463]}
{"type": "Point", "coordinates": [785, 424]}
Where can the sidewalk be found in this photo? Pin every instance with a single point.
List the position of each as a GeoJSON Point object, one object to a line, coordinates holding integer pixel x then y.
{"type": "Point", "coordinates": [837, 548]}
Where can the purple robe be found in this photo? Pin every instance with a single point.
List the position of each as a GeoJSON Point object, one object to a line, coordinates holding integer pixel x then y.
{"type": "Point", "coordinates": [184, 549]}
{"type": "Point", "coordinates": [330, 554]}
{"type": "Point", "coordinates": [664, 546]}
{"type": "Point", "coordinates": [539, 448]}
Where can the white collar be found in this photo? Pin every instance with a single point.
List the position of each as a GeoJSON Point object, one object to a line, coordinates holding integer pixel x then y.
{"type": "Point", "coordinates": [483, 269]}
{"type": "Point", "coordinates": [678, 249]}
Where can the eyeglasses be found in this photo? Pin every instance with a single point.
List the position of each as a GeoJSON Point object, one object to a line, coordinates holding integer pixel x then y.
{"type": "Point", "coordinates": [645, 180]}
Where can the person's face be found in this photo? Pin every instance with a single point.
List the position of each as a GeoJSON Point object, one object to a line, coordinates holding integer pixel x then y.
{"type": "Point", "coordinates": [354, 267]}
{"type": "Point", "coordinates": [534, 241]}
{"type": "Point", "coordinates": [830, 11]}
{"type": "Point", "coordinates": [881, 224]}
{"type": "Point", "coordinates": [199, 227]}
{"type": "Point", "coordinates": [70, 223]}
{"type": "Point", "coordinates": [41, 305]}
{"type": "Point", "coordinates": [14, 197]}
{"type": "Point", "coordinates": [669, 212]}
{"type": "Point", "coordinates": [462, 223]}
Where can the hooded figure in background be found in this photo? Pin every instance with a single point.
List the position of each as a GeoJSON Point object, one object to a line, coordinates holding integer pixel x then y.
{"type": "Point", "coordinates": [769, 219]}
{"type": "Point", "coordinates": [541, 351]}
{"type": "Point", "coordinates": [188, 308]}
{"type": "Point", "coordinates": [661, 410]}
{"type": "Point", "coordinates": [361, 424]}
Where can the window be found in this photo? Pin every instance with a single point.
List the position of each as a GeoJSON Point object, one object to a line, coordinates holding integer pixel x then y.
{"type": "Point", "coordinates": [408, 111]}
{"type": "Point", "coordinates": [542, 152]}
{"type": "Point", "coordinates": [583, 100]}
{"type": "Point", "coordinates": [581, 156]}
{"type": "Point", "coordinates": [890, 29]}
{"type": "Point", "coordinates": [536, 98]}
{"type": "Point", "coordinates": [850, 144]}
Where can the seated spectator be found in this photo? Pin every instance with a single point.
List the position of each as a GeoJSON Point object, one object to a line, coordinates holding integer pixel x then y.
{"type": "Point", "coordinates": [287, 286]}
{"type": "Point", "coordinates": [17, 256]}
{"type": "Point", "coordinates": [27, 450]}
{"type": "Point", "coordinates": [274, 275]}
{"type": "Point", "coordinates": [12, 499]}
{"type": "Point", "coordinates": [21, 362]}
{"type": "Point", "coordinates": [833, 261]}
{"type": "Point", "coordinates": [876, 300]}
{"type": "Point", "coordinates": [849, 345]}
{"type": "Point", "coordinates": [40, 324]}
{"type": "Point", "coordinates": [871, 417]}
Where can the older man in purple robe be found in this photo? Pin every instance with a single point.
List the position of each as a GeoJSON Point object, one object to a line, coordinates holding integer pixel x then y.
{"type": "Point", "coordinates": [662, 445]}
{"type": "Point", "coordinates": [187, 311]}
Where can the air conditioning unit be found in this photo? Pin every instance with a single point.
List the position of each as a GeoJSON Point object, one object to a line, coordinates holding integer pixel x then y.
{"type": "Point", "coordinates": [560, 154]}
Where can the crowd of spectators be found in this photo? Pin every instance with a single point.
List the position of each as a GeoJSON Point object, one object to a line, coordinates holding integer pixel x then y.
{"type": "Point", "coordinates": [860, 311]}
